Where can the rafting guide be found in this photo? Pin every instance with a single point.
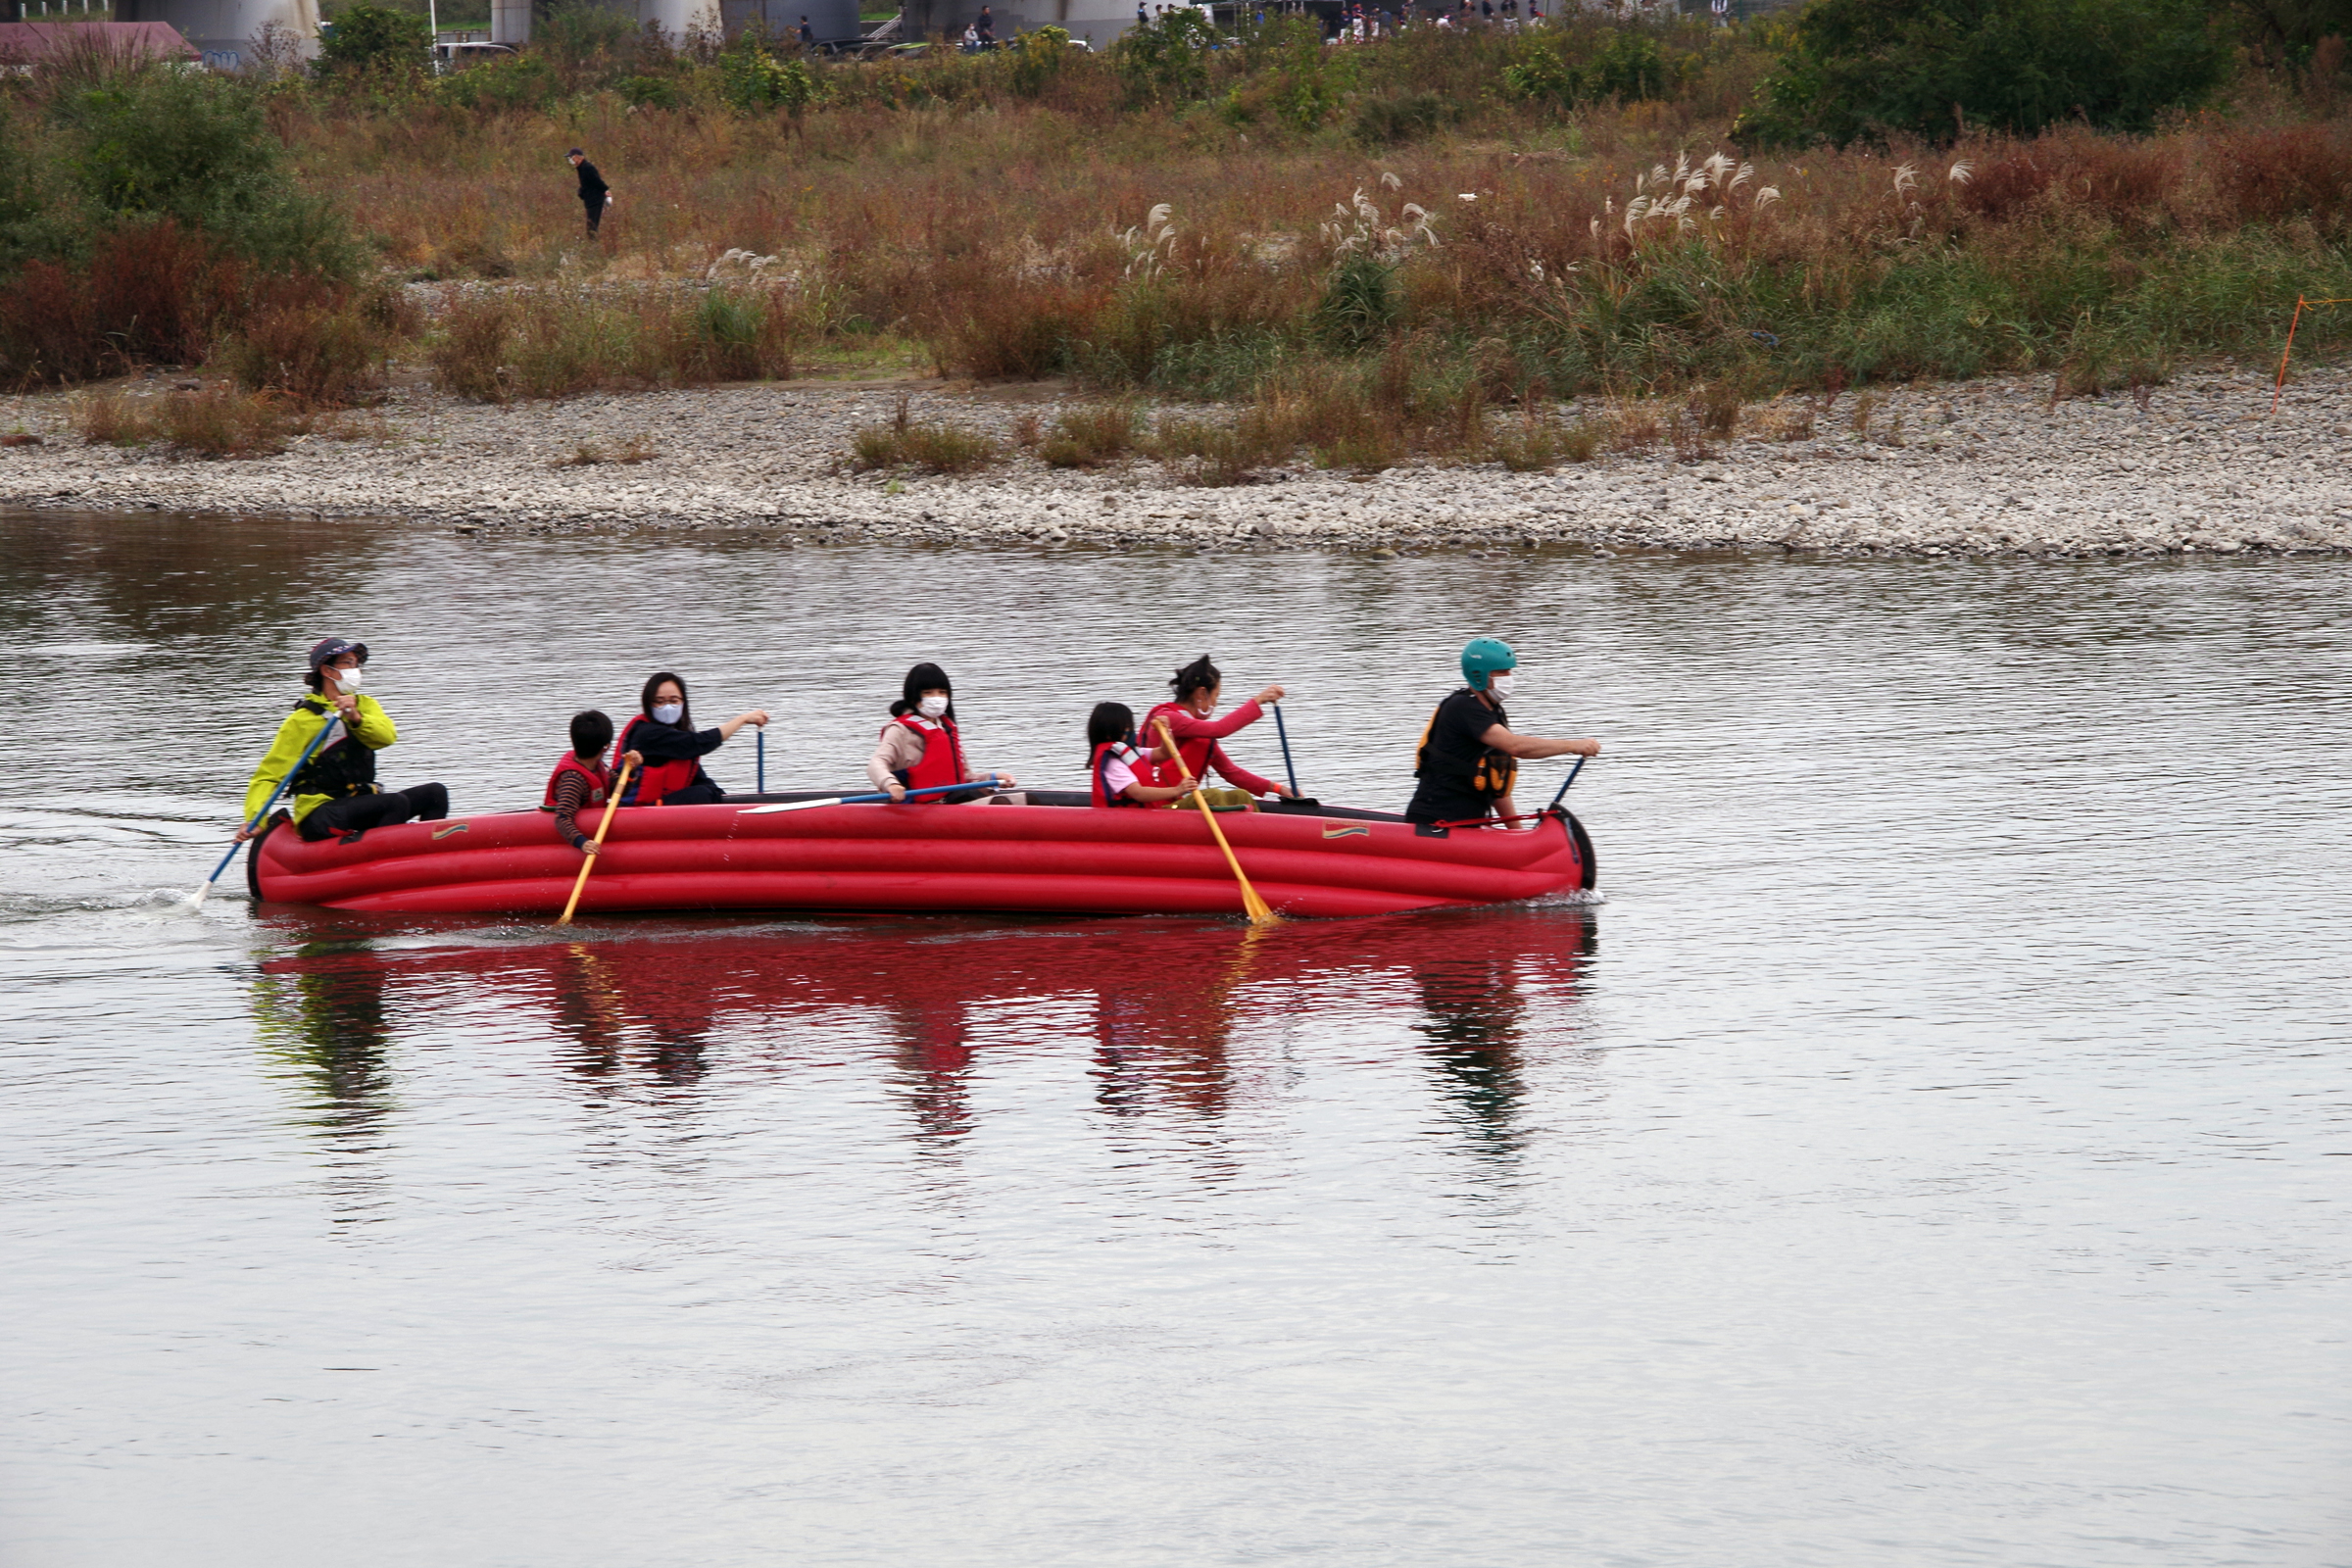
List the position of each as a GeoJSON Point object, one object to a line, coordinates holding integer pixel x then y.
{"type": "Point", "coordinates": [1468, 759]}
{"type": "Point", "coordinates": [334, 790]}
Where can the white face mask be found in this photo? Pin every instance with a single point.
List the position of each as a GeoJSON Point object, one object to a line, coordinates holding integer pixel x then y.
{"type": "Point", "coordinates": [348, 679]}
{"type": "Point", "coordinates": [932, 707]}
{"type": "Point", "coordinates": [668, 713]}
{"type": "Point", "coordinates": [1500, 685]}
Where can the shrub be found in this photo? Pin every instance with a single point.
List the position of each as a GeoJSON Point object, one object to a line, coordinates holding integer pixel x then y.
{"type": "Point", "coordinates": [365, 37]}
{"type": "Point", "coordinates": [114, 420]}
{"type": "Point", "coordinates": [1566, 66]}
{"type": "Point", "coordinates": [1084, 438]}
{"type": "Point", "coordinates": [650, 92]}
{"type": "Point", "coordinates": [320, 351]}
{"type": "Point", "coordinates": [1873, 68]}
{"type": "Point", "coordinates": [1162, 61]}
{"type": "Point", "coordinates": [936, 448]}
{"type": "Point", "coordinates": [1385, 122]}
{"type": "Point", "coordinates": [196, 148]}
{"type": "Point", "coordinates": [470, 356]}
{"type": "Point", "coordinates": [1359, 300]}
{"type": "Point", "coordinates": [219, 424]}
{"type": "Point", "coordinates": [1040, 56]}
{"type": "Point", "coordinates": [560, 342]}
{"type": "Point", "coordinates": [506, 84]}
{"type": "Point", "coordinates": [753, 81]}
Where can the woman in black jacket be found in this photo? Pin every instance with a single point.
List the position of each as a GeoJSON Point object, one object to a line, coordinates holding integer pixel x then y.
{"type": "Point", "coordinates": [674, 749]}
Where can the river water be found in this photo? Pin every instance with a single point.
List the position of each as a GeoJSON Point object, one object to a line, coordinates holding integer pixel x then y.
{"type": "Point", "coordinates": [1931, 1149]}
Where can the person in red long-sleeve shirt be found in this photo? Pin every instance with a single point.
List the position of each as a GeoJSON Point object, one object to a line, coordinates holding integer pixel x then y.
{"type": "Point", "coordinates": [1189, 717]}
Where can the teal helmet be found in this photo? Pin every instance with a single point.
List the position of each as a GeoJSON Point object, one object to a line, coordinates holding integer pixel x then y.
{"type": "Point", "coordinates": [1483, 656]}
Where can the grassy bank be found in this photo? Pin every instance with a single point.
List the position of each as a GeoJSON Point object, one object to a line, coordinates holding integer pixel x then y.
{"type": "Point", "coordinates": [1365, 247]}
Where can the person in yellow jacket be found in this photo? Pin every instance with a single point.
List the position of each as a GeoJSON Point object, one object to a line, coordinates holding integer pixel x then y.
{"type": "Point", "coordinates": [336, 792]}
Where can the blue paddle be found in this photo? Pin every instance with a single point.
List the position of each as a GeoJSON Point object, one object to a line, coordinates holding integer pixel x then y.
{"type": "Point", "coordinates": [762, 749]}
{"type": "Point", "coordinates": [1570, 779]}
{"type": "Point", "coordinates": [195, 900]}
{"type": "Point", "coordinates": [858, 799]}
{"type": "Point", "coordinates": [1284, 730]}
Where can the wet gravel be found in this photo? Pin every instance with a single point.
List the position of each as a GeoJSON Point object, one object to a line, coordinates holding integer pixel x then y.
{"type": "Point", "coordinates": [1990, 466]}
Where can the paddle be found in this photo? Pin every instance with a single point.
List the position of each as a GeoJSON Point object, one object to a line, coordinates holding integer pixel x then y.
{"type": "Point", "coordinates": [195, 900]}
{"type": "Point", "coordinates": [761, 748]}
{"type": "Point", "coordinates": [588, 862]}
{"type": "Point", "coordinates": [1284, 730]}
{"type": "Point", "coordinates": [1570, 779]}
{"type": "Point", "coordinates": [989, 782]}
{"type": "Point", "coordinates": [1259, 911]}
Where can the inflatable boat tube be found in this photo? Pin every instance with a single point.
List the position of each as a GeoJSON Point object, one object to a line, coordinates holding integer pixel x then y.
{"type": "Point", "coordinates": [1041, 858]}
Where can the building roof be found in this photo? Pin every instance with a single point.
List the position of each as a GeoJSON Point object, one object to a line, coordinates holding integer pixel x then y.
{"type": "Point", "coordinates": [29, 42]}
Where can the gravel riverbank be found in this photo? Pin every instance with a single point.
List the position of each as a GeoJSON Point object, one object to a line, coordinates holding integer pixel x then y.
{"type": "Point", "coordinates": [1978, 467]}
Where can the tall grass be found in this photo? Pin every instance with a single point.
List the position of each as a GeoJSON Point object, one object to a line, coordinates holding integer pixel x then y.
{"type": "Point", "coordinates": [1515, 218]}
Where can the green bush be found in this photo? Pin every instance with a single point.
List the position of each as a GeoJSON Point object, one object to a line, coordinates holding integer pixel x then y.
{"type": "Point", "coordinates": [1163, 60]}
{"type": "Point", "coordinates": [510, 82]}
{"type": "Point", "coordinates": [1387, 121]}
{"type": "Point", "coordinates": [650, 92]}
{"type": "Point", "coordinates": [1868, 69]}
{"type": "Point", "coordinates": [194, 147]}
{"type": "Point", "coordinates": [1041, 55]}
{"type": "Point", "coordinates": [365, 37]}
{"type": "Point", "coordinates": [1569, 67]}
{"type": "Point", "coordinates": [753, 80]}
{"type": "Point", "coordinates": [1359, 303]}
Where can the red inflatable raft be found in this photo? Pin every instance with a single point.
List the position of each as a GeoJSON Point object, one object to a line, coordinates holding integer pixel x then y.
{"type": "Point", "coordinates": [1062, 856]}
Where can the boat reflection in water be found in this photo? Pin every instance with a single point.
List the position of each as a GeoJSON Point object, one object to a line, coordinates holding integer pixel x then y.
{"type": "Point", "coordinates": [1173, 1017]}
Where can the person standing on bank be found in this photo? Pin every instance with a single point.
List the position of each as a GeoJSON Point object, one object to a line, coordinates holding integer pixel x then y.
{"type": "Point", "coordinates": [595, 194]}
{"type": "Point", "coordinates": [336, 792]}
{"type": "Point", "coordinates": [663, 733]}
{"type": "Point", "coordinates": [807, 34]}
{"type": "Point", "coordinates": [1469, 757]}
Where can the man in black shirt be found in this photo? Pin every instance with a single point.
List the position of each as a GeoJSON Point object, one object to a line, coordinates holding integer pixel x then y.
{"type": "Point", "coordinates": [1469, 757]}
{"type": "Point", "coordinates": [594, 192]}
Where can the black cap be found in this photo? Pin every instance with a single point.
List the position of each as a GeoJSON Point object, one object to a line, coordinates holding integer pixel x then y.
{"type": "Point", "coordinates": [336, 648]}
{"type": "Point", "coordinates": [575, 153]}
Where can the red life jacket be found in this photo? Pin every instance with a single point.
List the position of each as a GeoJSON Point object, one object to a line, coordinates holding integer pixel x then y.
{"type": "Point", "coordinates": [654, 780]}
{"type": "Point", "coordinates": [1101, 764]}
{"type": "Point", "coordinates": [1195, 751]}
{"type": "Point", "coordinates": [939, 764]}
{"type": "Point", "coordinates": [598, 779]}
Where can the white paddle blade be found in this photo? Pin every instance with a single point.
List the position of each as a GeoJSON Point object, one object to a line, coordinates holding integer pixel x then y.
{"type": "Point", "coordinates": [787, 806]}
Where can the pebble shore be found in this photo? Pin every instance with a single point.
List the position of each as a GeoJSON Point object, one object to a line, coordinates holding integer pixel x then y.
{"type": "Point", "coordinates": [1983, 468]}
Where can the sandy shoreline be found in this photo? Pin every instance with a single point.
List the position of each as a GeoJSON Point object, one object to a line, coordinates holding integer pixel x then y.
{"type": "Point", "coordinates": [1984, 468]}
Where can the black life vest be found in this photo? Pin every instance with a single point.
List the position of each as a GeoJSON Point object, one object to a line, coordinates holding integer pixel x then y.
{"type": "Point", "coordinates": [344, 765]}
{"type": "Point", "coordinates": [1488, 773]}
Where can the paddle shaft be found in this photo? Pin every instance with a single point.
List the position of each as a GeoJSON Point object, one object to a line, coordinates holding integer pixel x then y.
{"type": "Point", "coordinates": [603, 826]}
{"type": "Point", "coordinates": [1284, 730]}
{"type": "Point", "coordinates": [1570, 779]}
{"type": "Point", "coordinates": [1259, 911]}
{"type": "Point", "coordinates": [987, 783]}
{"type": "Point", "coordinates": [762, 748]}
{"type": "Point", "coordinates": [316, 741]}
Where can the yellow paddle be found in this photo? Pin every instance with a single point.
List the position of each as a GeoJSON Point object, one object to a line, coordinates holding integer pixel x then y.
{"type": "Point", "coordinates": [588, 862]}
{"type": "Point", "coordinates": [1261, 912]}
